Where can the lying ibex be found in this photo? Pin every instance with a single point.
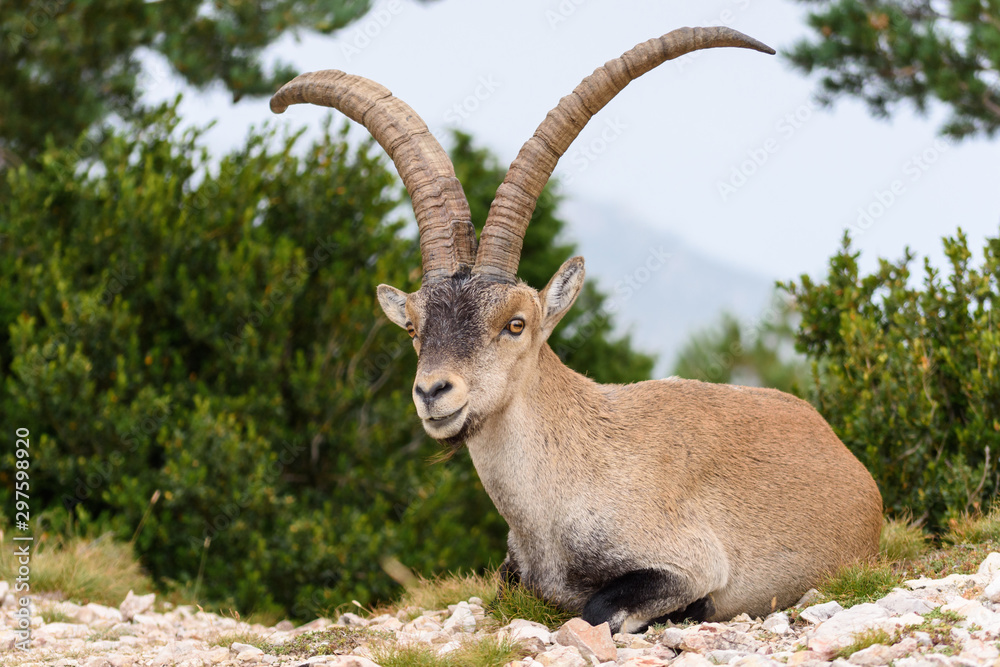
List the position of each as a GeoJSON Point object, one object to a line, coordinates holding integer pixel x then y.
{"type": "Point", "coordinates": [629, 504]}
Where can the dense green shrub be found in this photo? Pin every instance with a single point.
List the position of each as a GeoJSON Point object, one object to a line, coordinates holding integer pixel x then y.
{"type": "Point", "coordinates": [209, 330]}
{"type": "Point", "coordinates": [909, 376]}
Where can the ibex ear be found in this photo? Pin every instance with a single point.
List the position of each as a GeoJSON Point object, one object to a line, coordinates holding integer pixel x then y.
{"type": "Point", "coordinates": [393, 302]}
{"type": "Point", "coordinates": [561, 292]}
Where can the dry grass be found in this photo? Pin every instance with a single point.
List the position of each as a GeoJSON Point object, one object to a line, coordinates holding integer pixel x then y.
{"type": "Point", "coordinates": [439, 592]}
{"type": "Point", "coordinates": [901, 540]}
{"type": "Point", "coordinates": [974, 529]}
{"type": "Point", "coordinates": [482, 651]}
{"type": "Point", "coordinates": [82, 570]}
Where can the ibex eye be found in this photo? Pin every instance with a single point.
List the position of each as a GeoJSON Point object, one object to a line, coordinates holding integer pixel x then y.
{"type": "Point", "coordinates": [410, 330]}
{"type": "Point", "coordinates": [515, 326]}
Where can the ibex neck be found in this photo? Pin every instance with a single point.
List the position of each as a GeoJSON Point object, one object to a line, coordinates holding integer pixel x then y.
{"type": "Point", "coordinates": [542, 421]}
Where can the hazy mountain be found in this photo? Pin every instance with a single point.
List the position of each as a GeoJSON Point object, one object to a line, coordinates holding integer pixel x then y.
{"type": "Point", "coordinates": [662, 290]}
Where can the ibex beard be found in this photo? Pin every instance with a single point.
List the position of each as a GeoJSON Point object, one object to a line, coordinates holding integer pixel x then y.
{"type": "Point", "coordinates": [628, 504]}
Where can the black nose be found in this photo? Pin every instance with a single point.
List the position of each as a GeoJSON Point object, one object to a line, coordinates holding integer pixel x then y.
{"type": "Point", "coordinates": [437, 389]}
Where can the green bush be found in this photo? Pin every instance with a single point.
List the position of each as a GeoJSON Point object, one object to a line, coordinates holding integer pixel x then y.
{"type": "Point", "coordinates": [208, 329]}
{"type": "Point", "coordinates": [908, 375]}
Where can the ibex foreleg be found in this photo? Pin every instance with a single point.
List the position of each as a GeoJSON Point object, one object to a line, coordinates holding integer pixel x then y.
{"type": "Point", "coordinates": [634, 600]}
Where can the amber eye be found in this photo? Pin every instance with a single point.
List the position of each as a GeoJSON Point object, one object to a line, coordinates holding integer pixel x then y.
{"type": "Point", "coordinates": [515, 326]}
{"type": "Point", "coordinates": [410, 330]}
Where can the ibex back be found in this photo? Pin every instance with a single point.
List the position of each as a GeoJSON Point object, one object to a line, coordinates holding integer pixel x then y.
{"type": "Point", "coordinates": [628, 504]}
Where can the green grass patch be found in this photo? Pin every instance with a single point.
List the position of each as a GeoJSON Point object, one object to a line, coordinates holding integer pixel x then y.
{"type": "Point", "coordinates": [861, 582]}
{"type": "Point", "coordinates": [519, 602]}
{"type": "Point", "coordinates": [901, 541]}
{"type": "Point", "coordinates": [331, 641]}
{"type": "Point", "coordinates": [109, 634]}
{"type": "Point", "coordinates": [53, 616]}
{"type": "Point", "coordinates": [863, 640]}
{"type": "Point", "coordinates": [483, 651]}
{"type": "Point", "coordinates": [82, 570]}
{"type": "Point", "coordinates": [245, 636]}
{"type": "Point", "coordinates": [956, 559]}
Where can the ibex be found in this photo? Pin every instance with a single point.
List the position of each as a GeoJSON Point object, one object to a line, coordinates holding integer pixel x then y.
{"type": "Point", "coordinates": [628, 504]}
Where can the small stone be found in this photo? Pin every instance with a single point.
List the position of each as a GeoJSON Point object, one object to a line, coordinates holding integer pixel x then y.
{"type": "Point", "coordinates": [808, 599]}
{"type": "Point", "coordinates": [992, 591]}
{"type": "Point", "coordinates": [717, 637]}
{"type": "Point", "coordinates": [802, 657]}
{"type": "Point", "coordinates": [562, 656]}
{"type": "Point", "coordinates": [136, 604]}
{"type": "Point", "coordinates": [876, 654]}
{"type": "Point", "coordinates": [311, 626]}
{"type": "Point", "coordinates": [461, 620]}
{"type": "Point", "coordinates": [241, 648]}
{"type": "Point", "coordinates": [352, 620]}
{"type": "Point", "coordinates": [979, 651]}
{"type": "Point", "coordinates": [590, 640]}
{"type": "Point", "coordinates": [692, 660]}
{"type": "Point", "coordinates": [990, 565]}
{"type": "Point", "coordinates": [820, 612]}
{"type": "Point", "coordinates": [900, 602]}
{"type": "Point", "coordinates": [755, 661]}
{"type": "Point", "coordinates": [672, 637]}
{"type": "Point", "coordinates": [286, 626]}
{"type": "Point", "coordinates": [724, 657]}
{"type": "Point", "coordinates": [644, 661]}
{"type": "Point", "coordinates": [778, 623]}
{"type": "Point", "coordinates": [519, 629]}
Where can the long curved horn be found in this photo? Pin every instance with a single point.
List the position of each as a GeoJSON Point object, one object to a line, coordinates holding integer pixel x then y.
{"type": "Point", "coordinates": [447, 237]}
{"type": "Point", "coordinates": [510, 213]}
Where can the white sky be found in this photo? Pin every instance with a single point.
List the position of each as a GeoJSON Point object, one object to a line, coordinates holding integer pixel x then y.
{"type": "Point", "coordinates": [682, 128]}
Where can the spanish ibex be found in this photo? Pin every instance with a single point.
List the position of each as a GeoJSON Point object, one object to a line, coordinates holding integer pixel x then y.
{"type": "Point", "coordinates": [628, 504]}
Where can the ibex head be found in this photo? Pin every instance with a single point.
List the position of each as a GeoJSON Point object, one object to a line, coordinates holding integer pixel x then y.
{"type": "Point", "coordinates": [475, 327]}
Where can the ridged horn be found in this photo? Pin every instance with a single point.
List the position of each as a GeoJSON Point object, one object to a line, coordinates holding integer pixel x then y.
{"type": "Point", "coordinates": [447, 237]}
{"type": "Point", "coordinates": [510, 212]}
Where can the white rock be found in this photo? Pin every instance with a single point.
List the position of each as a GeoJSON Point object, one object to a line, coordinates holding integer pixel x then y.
{"type": "Point", "coordinates": [839, 630]}
{"type": "Point", "coordinates": [810, 596]}
{"type": "Point", "coordinates": [901, 602]}
{"type": "Point", "coordinates": [4, 587]}
{"type": "Point", "coordinates": [461, 620]}
{"type": "Point", "coordinates": [136, 604]}
{"type": "Point", "coordinates": [688, 659]}
{"type": "Point", "coordinates": [521, 629]}
{"type": "Point", "coordinates": [974, 612]}
{"type": "Point", "coordinates": [990, 565]}
{"type": "Point", "coordinates": [672, 637]}
{"type": "Point", "coordinates": [821, 612]}
{"type": "Point", "coordinates": [955, 582]}
{"type": "Point", "coordinates": [562, 656]}
{"type": "Point", "coordinates": [592, 641]}
{"type": "Point", "coordinates": [352, 620]}
{"type": "Point", "coordinates": [778, 623]}
{"type": "Point", "coordinates": [992, 592]}
{"type": "Point", "coordinates": [349, 661]}
{"type": "Point", "coordinates": [876, 654]}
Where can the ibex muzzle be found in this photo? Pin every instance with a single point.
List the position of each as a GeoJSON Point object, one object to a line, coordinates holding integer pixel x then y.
{"type": "Point", "coordinates": [631, 504]}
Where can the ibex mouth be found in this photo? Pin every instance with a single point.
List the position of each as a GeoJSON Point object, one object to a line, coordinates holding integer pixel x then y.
{"type": "Point", "coordinates": [440, 421]}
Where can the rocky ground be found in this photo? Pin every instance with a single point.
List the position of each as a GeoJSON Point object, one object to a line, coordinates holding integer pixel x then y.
{"type": "Point", "coordinates": [934, 622]}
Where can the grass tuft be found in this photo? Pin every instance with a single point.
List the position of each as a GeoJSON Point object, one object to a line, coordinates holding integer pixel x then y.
{"type": "Point", "coordinates": [53, 616]}
{"type": "Point", "coordinates": [516, 601]}
{"type": "Point", "coordinates": [333, 640]}
{"type": "Point", "coordinates": [860, 582]}
{"type": "Point", "coordinates": [82, 570]}
{"type": "Point", "coordinates": [863, 640]}
{"type": "Point", "coordinates": [901, 541]}
{"type": "Point", "coordinates": [245, 636]}
{"type": "Point", "coordinates": [439, 592]}
{"type": "Point", "coordinates": [973, 528]}
{"type": "Point", "coordinates": [482, 651]}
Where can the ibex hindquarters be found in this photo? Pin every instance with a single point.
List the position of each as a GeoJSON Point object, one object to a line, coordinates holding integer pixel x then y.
{"type": "Point", "coordinates": [626, 504]}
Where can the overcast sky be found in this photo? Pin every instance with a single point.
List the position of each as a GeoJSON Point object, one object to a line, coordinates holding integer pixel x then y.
{"type": "Point", "coordinates": [662, 151]}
